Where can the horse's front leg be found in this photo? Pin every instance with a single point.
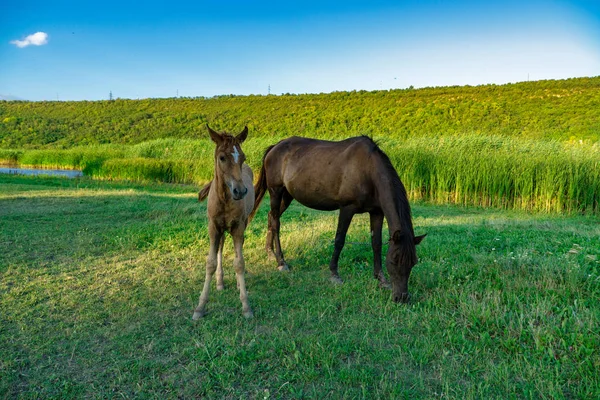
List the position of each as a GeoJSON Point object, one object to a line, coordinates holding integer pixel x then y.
{"type": "Point", "coordinates": [344, 221]}
{"type": "Point", "coordinates": [240, 269]}
{"type": "Point", "coordinates": [211, 266]}
{"type": "Point", "coordinates": [376, 227]}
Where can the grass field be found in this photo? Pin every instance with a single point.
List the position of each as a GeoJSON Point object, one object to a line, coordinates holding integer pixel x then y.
{"type": "Point", "coordinates": [99, 280]}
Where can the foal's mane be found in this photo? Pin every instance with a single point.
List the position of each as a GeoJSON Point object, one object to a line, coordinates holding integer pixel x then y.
{"type": "Point", "coordinates": [228, 140]}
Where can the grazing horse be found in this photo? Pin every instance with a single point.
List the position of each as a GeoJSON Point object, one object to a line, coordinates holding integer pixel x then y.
{"type": "Point", "coordinates": [230, 201]}
{"type": "Point", "coordinates": [353, 176]}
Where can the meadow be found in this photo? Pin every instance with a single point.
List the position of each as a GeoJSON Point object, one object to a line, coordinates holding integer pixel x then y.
{"type": "Point", "coordinates": [99, 280]}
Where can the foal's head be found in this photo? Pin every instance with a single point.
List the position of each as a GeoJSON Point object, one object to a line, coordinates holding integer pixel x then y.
{"type": "Point", "coordinates": [229, 158]}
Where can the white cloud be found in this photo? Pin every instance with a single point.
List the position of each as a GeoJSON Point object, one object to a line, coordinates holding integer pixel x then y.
{"type": "Point", "coordinates": [37, 39]}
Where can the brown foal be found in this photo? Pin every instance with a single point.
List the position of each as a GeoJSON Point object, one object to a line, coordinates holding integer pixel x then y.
{"type": "Point", "coordinates": [230, 202]}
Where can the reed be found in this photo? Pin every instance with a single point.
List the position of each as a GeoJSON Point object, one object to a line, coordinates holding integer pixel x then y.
{"type": "Point", "coordinates": [500, 172]}
{"type": "Point", "coordinates": [488, 171]}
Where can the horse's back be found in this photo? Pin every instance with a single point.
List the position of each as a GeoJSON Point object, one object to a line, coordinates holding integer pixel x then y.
{"type": "Point", "coordinates": [322, 174]}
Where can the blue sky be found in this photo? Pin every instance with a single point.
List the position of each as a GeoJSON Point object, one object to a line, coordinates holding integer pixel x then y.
{"type": "Point", "coordinates": [207, 48]}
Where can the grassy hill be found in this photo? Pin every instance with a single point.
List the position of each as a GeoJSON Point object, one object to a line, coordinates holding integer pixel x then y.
{"type": "Point", "coordinates": [555, 109]}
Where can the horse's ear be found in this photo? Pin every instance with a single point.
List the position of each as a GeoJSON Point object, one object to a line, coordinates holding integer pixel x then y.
{"type": "Point", "coordinates": [397, 236]}
{"type": "Point", "coordinates": [419, 239]}
{"type": "Point", "coordinates": [243, 135]}
{"type": "Point", "coordinates": [215, 136]}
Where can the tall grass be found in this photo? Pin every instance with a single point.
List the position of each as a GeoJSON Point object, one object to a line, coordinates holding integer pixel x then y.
{"type": "Point", "coordinates": [478, 170]}
{"type": "Point", "coordinates": [500, 172]}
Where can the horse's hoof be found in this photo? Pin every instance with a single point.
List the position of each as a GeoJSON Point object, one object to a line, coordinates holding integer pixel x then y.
{"type": "Point", "coordinates": [248, 314]}
{"type": "Point", "coordinates": [336, 280]}
{"type": "Point", "coordinates": [220, 287]}
{"type": "Point", "coordinates": [198, 314]}
{"type": "Point", "coordinates": [284, 267]}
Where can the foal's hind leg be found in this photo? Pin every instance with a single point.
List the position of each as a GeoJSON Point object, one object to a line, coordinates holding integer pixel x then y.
{"type": "Point", "coordinates": [274, 226]}
{"type": "Point", "coordinates": [220, 264]}
{"type": "Point", "coordinates": [376, 226]}
{"type": "Point", "coordinates": [211, 266]}
{"type": "Point", "coordinates": [344, 221]}
{"type": "Point", "coordinates": [240, 270]}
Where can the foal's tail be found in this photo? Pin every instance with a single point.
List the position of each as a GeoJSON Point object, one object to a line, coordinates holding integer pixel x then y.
{"type": "Point", "coordinates": [203, 193]}
{"type": "Point", "coordinates": [261, 186]}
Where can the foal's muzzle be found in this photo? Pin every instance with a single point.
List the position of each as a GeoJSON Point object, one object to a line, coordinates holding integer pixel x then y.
{"type": "Point", "coordinates": [239, 194]}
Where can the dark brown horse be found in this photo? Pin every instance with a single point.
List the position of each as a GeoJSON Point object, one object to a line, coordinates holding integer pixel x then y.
{"type": "Point", "coordinates": [230, 200]}
{"type": "Point", "coordinates": [354, 176]}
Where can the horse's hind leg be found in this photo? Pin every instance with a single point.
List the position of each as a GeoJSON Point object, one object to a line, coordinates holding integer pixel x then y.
{"type": "Point", "coordinates": [220, 285]}
{"type": "Point", "coordinates": [286, 199]}
{"type": "Point", "coordinates": [344, 221]}
{"type": "Point", "coordinates": [274, 226]}
{"type": "Point", "coordinates": [240, 270]}
{"type": "Point", "coordinates": [376, 226]}
{"type": "Point", "coordinates": [211, 266]}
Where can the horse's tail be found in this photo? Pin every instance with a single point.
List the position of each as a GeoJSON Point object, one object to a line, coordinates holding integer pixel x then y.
{"type": "Point", "coordinates": [261, 186]}
{"type": "Point", "coordinates": [203, 193]}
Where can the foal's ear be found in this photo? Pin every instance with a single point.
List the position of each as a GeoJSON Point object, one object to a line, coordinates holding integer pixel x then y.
{"type": "Point", "coordinates": [419, 239]}
{"type": "Point", "coordinates": [243, 135]}
{"type": "Point", "coordinates": [215, 136]}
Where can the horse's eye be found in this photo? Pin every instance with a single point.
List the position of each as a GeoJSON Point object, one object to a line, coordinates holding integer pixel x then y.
{"type": "Point", "coordinates": [222, 158]}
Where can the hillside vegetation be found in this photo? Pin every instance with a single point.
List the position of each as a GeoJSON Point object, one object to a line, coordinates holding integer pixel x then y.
{"type": "Point", "coordinates": [561, 110]}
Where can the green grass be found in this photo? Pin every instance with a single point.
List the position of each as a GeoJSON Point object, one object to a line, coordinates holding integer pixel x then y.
{"type": "Point", "coordinates": [98, 281]}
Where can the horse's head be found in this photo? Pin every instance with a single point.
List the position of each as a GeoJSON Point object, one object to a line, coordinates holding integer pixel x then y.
{"type": "Point", "coordinates": [229, 159]}
{"type": "Point", "coordinates": [401, 258]}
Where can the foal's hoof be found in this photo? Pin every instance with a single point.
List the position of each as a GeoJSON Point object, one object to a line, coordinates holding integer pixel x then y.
{"type": "Point", "coordinates": [336, 280]}
{"type": "Point", "coordinates": [198, 314]}
{"type": "Point", "coordinates": [248, 314]}
{"type": "Point", "coordinates": [220, 287]}
{"type": "Point", "coordinates": [284, 267]}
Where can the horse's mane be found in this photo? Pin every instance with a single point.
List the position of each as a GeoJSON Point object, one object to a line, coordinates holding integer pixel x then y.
{"type": "Point", "coordinates": [400, 195]}
{"type": "Point", "coordinates": [405, 238]}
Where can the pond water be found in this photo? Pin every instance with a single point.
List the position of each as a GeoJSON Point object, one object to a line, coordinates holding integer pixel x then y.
{"type": "Point", "coordinates": [69, 173]}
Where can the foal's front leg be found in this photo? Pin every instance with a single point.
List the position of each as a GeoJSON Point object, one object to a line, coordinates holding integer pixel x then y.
{"type": "Point", "coordinates": [220, 264]}
{"type": "Point", "coordinates": [240, 270]}
{"type": "Point", "coordinates": [211, 266]}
